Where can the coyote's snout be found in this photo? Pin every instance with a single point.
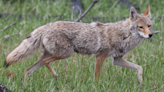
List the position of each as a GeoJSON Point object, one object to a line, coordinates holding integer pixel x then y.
{"type": "Point", "coordinates": [59, 40]}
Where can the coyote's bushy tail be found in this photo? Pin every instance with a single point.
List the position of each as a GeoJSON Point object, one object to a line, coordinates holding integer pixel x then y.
{"type": "Point", "coordinates": [27, 47]}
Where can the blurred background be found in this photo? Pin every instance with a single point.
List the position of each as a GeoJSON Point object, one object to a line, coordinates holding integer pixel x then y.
{"type": "Point", "coordinates": [20, 17]}
{"type": "Point", "coordinates": [104, 11]}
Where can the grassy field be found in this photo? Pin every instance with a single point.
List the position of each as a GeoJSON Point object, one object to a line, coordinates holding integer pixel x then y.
{"type": "Point", "coordinates": [77, 72]}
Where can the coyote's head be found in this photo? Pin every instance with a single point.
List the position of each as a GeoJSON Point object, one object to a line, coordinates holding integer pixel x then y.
{"type": "Point", "coordinates": [141, 23]}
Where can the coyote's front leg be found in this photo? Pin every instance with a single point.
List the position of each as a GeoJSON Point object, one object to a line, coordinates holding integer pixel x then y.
{"type": "Point", "coordinates": [121, 62]}
{"type": "Point", "coordinates": [99, 61]}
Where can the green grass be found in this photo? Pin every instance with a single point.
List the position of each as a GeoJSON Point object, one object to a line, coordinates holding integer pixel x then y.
{"type": "Point", "coordinates": [77, 72]}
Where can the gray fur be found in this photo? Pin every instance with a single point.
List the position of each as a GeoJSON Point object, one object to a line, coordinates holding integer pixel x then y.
{"type": "Point", "coordinates": [62, 38]}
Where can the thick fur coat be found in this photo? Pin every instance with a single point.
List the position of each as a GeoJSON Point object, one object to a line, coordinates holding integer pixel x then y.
{"type": "Point", "coordinates": [60, 39]}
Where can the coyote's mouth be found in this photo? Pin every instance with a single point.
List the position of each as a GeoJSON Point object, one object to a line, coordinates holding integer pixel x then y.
{"type": "Point", "coordinates": [145, 36]}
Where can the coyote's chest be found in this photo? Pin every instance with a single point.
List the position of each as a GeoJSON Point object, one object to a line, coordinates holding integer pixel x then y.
{"type": "Point", "coordinates": [125, 46]}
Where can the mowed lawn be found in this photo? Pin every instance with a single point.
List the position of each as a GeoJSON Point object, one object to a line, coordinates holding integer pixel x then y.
{"type": "Point", "coordinates": [77, 72]}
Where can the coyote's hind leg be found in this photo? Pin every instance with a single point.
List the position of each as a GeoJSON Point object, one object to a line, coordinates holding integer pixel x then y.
{"type": "Point", "coordinates": [35, 66]}
{"type": "Point", "coordinates": [48, 61]}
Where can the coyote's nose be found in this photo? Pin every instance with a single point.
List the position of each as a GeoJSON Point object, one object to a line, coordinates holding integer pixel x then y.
{"type": "Point", "coordinates": [150, 35]}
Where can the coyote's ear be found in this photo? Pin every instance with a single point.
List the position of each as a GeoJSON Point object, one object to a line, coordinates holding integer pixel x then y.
{"type": "Point", "coordinates": [133, 13]}
{"type": "Point", "coordinates": [147, 12]}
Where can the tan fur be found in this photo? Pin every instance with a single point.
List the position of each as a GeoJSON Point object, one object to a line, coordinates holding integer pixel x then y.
{"type": "Point", "coordinates": [99, 61]}
{"type": "Point", "coordinates": [61, 39]}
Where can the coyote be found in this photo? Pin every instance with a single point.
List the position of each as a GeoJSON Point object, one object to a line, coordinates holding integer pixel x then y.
{"type": "Point", "coordinates": [60, 39]}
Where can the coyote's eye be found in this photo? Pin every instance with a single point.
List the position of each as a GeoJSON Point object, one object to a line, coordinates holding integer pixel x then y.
{"type": "Point", "coordinates": [149, 25]}
{"type": "Point", "coordinates": [141, 27]}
